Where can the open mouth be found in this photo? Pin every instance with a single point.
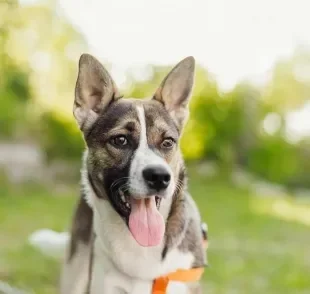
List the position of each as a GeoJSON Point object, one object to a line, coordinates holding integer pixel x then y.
{"type": "Point", "coordinates": [143, 218]}
{"type": "Point", "coordinates": [126, 201]}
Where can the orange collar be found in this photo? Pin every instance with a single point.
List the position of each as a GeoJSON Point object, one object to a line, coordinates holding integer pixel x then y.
{"type": "Point", "coordinates": [190, 275]}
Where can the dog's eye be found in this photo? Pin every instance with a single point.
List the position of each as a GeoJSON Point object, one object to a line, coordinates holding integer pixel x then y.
{"type": "Point", "coordinates": [119, 141]}
{"type": "Point", "coordinates": [167, 143]}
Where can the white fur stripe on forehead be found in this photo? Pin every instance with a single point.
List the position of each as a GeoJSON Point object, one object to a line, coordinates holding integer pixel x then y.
{"type": "Point", "coordinates": [141, 116]}
{"type": "Point", "coordinates": [144, 156]}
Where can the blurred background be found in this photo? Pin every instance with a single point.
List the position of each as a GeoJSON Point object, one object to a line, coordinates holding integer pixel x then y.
{"type": "Point", "coordinates": [247, 144]}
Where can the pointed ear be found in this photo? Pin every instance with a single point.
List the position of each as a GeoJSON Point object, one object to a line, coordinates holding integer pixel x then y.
{"type": "Point", "coordinates": [94, 91]}
{"type": "Point", "coordinates": [175, 90]}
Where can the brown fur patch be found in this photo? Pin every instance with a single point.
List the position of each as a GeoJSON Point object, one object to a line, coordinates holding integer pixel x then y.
{"type": "Point", "coordinates": [119, 119]}
{"type": "Point", "coordinates": [177, 221]}
{"type": "Point", "coordinates": [159, 124]}
{"type": "Point", "coordinates": [82, 226]}
{"type": "Point", "coordinates": [192, 242]}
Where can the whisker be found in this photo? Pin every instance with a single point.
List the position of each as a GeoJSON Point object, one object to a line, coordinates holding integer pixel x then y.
{"type": "Point", "coordinates": [117, 181]}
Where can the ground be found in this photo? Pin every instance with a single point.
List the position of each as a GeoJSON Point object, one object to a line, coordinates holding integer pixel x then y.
{"type": "Point", "coordinates": [251, 250]}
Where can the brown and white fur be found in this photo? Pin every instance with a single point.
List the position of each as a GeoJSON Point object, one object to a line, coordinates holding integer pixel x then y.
{"type": "Point", "coordinates": [123, 138]}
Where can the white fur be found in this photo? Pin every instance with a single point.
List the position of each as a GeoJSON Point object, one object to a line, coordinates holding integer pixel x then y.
{"type": "Point", "coordinates": [75, 273]}
{"type": "Point", "coordinates": [143, 157]}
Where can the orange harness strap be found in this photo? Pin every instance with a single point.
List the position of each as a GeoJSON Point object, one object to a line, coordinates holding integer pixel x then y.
{"type": "Point", "coordinates": [191, 275]}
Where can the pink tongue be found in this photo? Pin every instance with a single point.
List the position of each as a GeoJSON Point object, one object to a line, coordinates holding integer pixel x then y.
{"type": "Point", "coordinates": [146, 224]}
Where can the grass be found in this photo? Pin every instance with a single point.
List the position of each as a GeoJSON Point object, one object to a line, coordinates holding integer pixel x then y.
{"type": "Point", "coordinates": [252, 249]}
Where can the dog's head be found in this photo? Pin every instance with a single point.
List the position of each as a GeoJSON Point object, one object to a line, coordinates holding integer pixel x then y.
{"type": "Point", "coordinates": [134, 160]}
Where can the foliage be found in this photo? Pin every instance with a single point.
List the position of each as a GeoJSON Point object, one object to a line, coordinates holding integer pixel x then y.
{"type": "Point", "coordinates": [38, 52]}
{"type": "Point", "coordinates": [14, 95]}
{"type": "Point", "coordinates": [14, 78]}
{"type": "Point", "coordinates": [60, 138]}
{"type": "Point", "coordinates": [274, 159]}
{"type": "Point", "coordinates": [289, 85]}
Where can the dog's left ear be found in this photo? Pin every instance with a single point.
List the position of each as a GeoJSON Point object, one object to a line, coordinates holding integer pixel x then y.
{"type": "Point", "coordinates": [175, 90]}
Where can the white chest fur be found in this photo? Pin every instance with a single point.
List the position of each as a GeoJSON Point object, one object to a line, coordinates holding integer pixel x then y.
{"type": "Point", "coordinates": [107, 278]}
{"type": "Point", "coordinates": [121, 265]}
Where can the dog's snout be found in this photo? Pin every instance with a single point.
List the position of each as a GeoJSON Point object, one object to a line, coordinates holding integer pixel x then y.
{"type": "Point", "coordinates": [156, 177]}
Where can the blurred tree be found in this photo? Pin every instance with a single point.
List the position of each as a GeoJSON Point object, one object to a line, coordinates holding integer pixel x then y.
{"type": "Point", "coordinates": [289, 86]}
{"type": "Point", "coordinates": [49, 45]}
{"type": "Point", "coordinates": [250, 114]}
{"type": "Point", "coordinates": [301, 178]}
{"type": "Point", "coordinates": [60, 139]}
{"type": "Point", "coordinates": [39, 50]}
{"type": "Point", "coordinates": [14, 83]}
{"type": "Point", "coordinates": [274, 159]}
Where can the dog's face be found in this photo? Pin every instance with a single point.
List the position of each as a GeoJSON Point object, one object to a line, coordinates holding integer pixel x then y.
{"type": "Point", "coordinates": [134, 159]}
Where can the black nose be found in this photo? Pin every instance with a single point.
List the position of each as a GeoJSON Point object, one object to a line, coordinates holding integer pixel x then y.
{"type": "Point", "coordinates": [156, 177]}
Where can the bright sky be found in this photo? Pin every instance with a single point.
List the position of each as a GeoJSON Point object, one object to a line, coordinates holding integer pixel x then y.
{"type": "Point", "coordinates": [233, 39]}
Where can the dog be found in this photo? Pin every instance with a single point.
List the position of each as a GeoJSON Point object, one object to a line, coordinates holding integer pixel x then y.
{"type": "Point", "coordinates": [135, 220]}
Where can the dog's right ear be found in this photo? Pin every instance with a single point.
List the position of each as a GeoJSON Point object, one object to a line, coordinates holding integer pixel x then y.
{"type": "Point", "coordinates": [94, 91]}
